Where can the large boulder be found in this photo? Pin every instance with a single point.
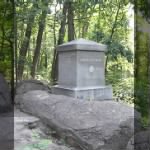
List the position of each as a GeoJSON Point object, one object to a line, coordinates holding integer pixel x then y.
{"type": "Point", "coordinates": [29, 85]}
{"type": "Point", "coordinates": [90, 125]}
{"type": "Point", "coordinates": [140, 141]}
{"type": "Point", "coordinates": [57, 147]}
{"type": "Point", "coordinates": [5, 95]}
{"type": "Point", "coordinates": [31, 133]}
{"type": "Point", "coordinates": [6, 131]}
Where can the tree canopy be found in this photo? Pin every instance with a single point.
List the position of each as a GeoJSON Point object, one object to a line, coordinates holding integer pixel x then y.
{"type": "Point", "coordinates": [6, 38]}
{"type": "Point", "coordinates": [43, 25]}
{"type": "Point", "coordinates": [142, 57]}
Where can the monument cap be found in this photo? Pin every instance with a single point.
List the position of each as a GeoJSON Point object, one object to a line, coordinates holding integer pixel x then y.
{"type": "Point", "coordinates": [82, 44]}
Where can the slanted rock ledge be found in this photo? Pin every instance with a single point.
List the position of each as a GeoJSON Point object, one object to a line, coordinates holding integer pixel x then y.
{"type": "Point", "coordinates": [5, 96]}
{"type": "Point", "coordinates": [91, 125]}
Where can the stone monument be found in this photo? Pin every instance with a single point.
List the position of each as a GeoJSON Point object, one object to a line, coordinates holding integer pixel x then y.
{"type": "Point", "coordinates": [81, 71]}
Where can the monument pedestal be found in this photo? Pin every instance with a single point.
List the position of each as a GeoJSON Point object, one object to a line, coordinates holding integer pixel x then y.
{"type": "Point", "coordinates": [81, 71]}
{"type": "Point", "coordinates": [86, 93]}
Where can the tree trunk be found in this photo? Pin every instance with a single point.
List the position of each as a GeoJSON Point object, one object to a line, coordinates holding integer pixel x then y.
{"type": "Point", "coordinates": [3, 30]}
{"type": "Point", "coordinates": [15, 47]}
{"type": "Point", "coordinates": [54, 26]}
{"type": "Point", "coordinates": [142, 60]}
{"type": "Point", "coordinates": [112, 32]}
{"type": "Point", "coordinates": [71, 31]}
{"type": "Point", "coordinates": [25, 44]}
{"type": "Point", "coordinates": [54, 72]}
{"type": "Point", "coordinates": [63, 24]}
{"type": "Point", "coordinates": [142, 70]}
{"type": "Point", "coordinates": [39, 41]}
{"type": "Point", "coordinates": [45, 61]}
{"type": "Point", "coordinates": [85, 29]}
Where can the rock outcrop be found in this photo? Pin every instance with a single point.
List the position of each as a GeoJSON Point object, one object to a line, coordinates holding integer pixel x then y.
{"type": "Point", "coordinates": [31, 133]}
{"type": "Point", "coordinates": [29, 85]}
{"type": "Point", "coordinates": [140, 141]}
{"type": "Point", "coordinates": [6, 131]}
{"type": "Point", "coordinates": [90, 125]}
{"type": "Point", "coordinates": [5, 96]}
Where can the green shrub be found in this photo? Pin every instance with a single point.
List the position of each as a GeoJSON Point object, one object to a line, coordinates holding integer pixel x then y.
{"type": "Point", "coordinates": [124, 90]}
{"type": "Point", "coordinates": [38, 143]}
{"type": "Point", "coordinates": [120, 75]}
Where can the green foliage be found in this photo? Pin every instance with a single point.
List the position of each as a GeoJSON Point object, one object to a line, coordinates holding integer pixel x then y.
{"type": "Point", "coordinates": [119, 69]}
{"type": "Point", "coordinates": [120, 75]}
{"type": "Point", "coordinates": [6, 38]}
{"type": "Point", "coordinates": [145, 121]}
{"type": "Point", "coordinates": [143, 6]}
{"type": "Point", "coordinates": [6, 67]}
{"type": "Point", "coordinates": [142, 99]}
{"type": "Point", "coordinates": [38, 143]}
{"type": "Point", "coordinates": [43, 144]}
{"type": "Point", "coordinates": [142, 69]}
{"type": "Point", "coordinates": [117, 48]}
{"type": "Point", "coordinates": [124, 90]}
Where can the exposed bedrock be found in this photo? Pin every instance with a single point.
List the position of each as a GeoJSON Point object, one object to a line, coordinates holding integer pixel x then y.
{"type": "Point", "coordinates": [91, 125]}
{"type": "Point", "coordinates": [5, 96]}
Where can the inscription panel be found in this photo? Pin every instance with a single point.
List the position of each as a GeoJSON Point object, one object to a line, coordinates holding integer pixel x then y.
{"type": "Point", "coordinates": [90, 69]}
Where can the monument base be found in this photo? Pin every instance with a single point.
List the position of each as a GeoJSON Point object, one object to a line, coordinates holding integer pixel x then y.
{"type": "Point", "coordinates": [88, 93]}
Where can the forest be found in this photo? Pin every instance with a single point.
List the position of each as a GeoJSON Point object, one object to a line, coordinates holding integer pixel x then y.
{"type": "Point", "coordinates": [41, 26]}
{"type": "Point", "coordinates": [31, 30]}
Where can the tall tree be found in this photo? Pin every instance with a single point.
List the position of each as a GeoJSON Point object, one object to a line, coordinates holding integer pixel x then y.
{"type": "Point", "coordinates": [6, 38]}
{"type": "Point", "coordinates": [71, 32]}
{"type": "Point", "coordinates": [25, 44]}
{"type": "Point", "coordinates": [83, 12]}
{"type": "Point", "coordinates": [54, 72]}
{"type": "Point", "coordinates": [63, 24]}
{"type": "Point", "coordinates": [142, 59]}
{"type": "Point", "coordinates": [39, 38]}
{"type": "Point", "coordinates": [113, 30]}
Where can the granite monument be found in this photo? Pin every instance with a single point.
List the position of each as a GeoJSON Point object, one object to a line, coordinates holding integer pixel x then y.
{"type": "Point", "coordinates": [81, 71]}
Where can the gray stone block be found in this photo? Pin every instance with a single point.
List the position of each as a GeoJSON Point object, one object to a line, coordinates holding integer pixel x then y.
{"type": "Point", "coordinates": [88, 93]}
{"type": "Point", "coordinates": [81, 70]}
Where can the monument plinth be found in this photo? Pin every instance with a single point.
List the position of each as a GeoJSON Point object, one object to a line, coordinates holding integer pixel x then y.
{"type": "Point", "coordinates": [81, 70]}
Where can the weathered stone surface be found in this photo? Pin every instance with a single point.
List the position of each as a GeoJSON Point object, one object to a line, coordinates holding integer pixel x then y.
{"type": "Point", "coordinates": [57, 147]}
{"type": "Point", "coordinates": [31, 133]}
{"type": "Point", "coordinates": [6, 132]}
{"type": "Point", "coordinates": [29, 85]}
{"type": "Point", "coordinates": [91, 125]}
{"type": "Point", "coordinates": [82, 44]}
{"type": "Point", "coordinates": [5, 95]}
{"type": "Point", "coordinates": [140, 141]}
